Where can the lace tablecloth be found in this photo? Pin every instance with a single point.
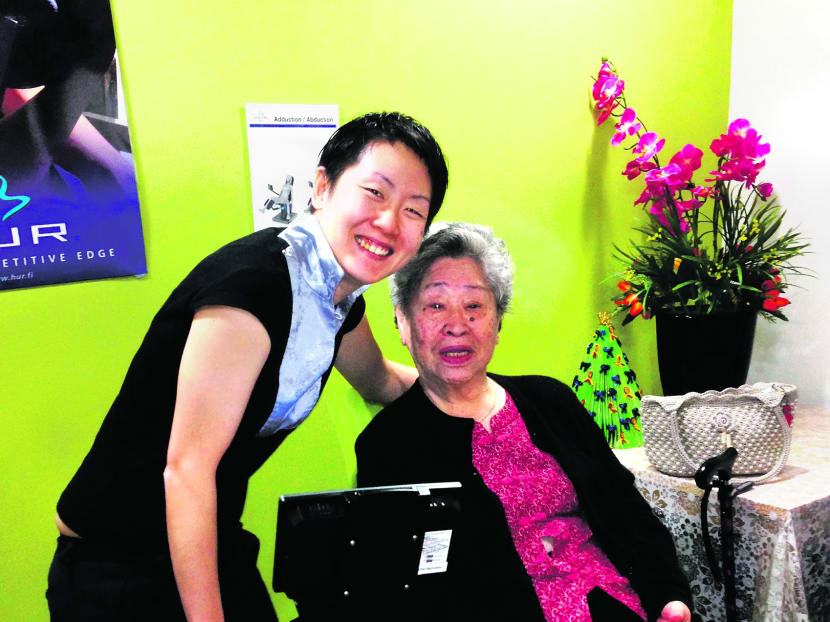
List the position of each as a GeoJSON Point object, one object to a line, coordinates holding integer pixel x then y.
{"type": "Point", "coordinates": [782, 531]}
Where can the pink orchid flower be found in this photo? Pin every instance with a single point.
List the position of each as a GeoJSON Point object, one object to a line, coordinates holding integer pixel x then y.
{"type": "Point", "coordinates": [668, 177]}
{"type": "Point", "coordinates": [634, 168]}
{"type": "Point", "coordinates": [765, 189]}
{"type": "Point", "coordinates": [658, 210]}
{"type": "Point", "coordinates": [752, 147]}
{"type": "Point", "coordinates": [649, 146]}
{"type": "Point", "coordinates": [662, 175]}
{"type": "Point", "coordinates": [739, 127]}
{"type": "Point", "coordinates": [740, 141]}
{"type": "Point", "coordinates": [702, 192]}
{"type": "Point", "coordinates": [607, 90]}
{"type": "Point", "coordinates": [725, 145]}
{"type": "Point", "coordinates": [644, 197]}
{"type": "Point", "coordinates": [688, 159]}
{"type": "Point", "coordinates": [687, 205]}
{"type": "Point", "coordinates": [628, 126]}
{"type": "Point", "coordinates": [605, 113]}
{"type": "Point", "coordinates": [604, 71]}
{"type": "Point", "coordinates": [739, 169]}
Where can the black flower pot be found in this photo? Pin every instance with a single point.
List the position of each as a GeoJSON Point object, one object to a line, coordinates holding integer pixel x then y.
{"type": "Point", "coordinates": [703, 352]}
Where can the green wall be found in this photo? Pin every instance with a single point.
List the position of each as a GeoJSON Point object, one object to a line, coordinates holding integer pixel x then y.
{"type": "Point", "coordinates": [505, 88]}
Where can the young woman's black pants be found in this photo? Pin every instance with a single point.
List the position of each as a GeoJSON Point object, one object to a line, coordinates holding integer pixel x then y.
{"type": "Point", "coordinates": [93, 581]}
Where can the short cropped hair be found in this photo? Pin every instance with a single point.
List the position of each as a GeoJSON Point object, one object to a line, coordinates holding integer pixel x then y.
{"type": "Point", "coordinates": [456, 240]}
{"type": "Point", "coordinates": [349, 141]}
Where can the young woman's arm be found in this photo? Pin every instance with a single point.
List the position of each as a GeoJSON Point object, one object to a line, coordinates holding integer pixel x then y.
{"type": "Point", "coordinates": [224, 354]}
{"type": "Point", "coordinates": [362, 364]}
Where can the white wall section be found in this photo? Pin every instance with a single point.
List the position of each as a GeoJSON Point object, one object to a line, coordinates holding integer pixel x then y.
{"type": "Point", "coordinates": [781, 83]}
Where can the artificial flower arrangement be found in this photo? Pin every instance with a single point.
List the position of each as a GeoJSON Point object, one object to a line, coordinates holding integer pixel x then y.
{"type": "Point", "coordinates": [694, 261]}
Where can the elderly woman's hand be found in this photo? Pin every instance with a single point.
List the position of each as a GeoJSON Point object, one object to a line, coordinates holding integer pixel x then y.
{"type": "Point", "coordinates": [675, 611]}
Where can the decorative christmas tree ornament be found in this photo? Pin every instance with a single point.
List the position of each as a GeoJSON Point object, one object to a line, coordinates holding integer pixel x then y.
{"type": "Point", "coordinates": [607, 387]}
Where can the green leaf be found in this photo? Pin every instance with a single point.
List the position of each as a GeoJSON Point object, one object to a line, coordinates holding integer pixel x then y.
{"type": "Point", "coordinates": [685, 283]}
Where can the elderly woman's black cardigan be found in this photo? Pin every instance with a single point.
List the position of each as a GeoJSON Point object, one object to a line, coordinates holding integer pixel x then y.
{"type": "Point", "coordinates": [413, 441]}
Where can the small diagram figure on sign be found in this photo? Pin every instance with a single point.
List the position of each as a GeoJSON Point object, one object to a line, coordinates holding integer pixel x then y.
{"type": "Point", "coordinates": [283, 202]}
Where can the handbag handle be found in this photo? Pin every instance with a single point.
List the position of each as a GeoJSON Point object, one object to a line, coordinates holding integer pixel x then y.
{"type": "Point", "coordinates": [678, 444]}
{"type": "Point", "coordinates": [782, 457]}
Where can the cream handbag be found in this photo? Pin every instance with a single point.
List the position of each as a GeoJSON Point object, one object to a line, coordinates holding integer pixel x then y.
{"type": "Point", "coordinates": [681, 431]}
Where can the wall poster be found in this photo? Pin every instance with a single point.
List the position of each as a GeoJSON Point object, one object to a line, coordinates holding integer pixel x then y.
{"type": "Point", "coordinates": [284, 142]}
{"type": "Point", "coordinates": [68, 202]}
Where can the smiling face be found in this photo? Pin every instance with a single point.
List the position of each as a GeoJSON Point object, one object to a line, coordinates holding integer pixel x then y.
{"type": "Point", "coordinates": [374, 215]}
{"type": "Point", "coordinates": [452, 326]}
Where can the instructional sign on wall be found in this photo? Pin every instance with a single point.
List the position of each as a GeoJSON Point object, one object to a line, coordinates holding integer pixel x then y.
{"type": "Point", "coordinates": [68, 201]}
{"type": "Point", "coordinates": [284, 143]}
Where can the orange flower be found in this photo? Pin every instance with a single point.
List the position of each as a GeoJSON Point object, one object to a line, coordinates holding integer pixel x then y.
{"type": "Point", "coordinates": [630, 299]}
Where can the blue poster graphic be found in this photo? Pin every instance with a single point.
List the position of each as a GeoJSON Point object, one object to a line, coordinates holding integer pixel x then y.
{"type": "Point", "coordinates": [68, 199]}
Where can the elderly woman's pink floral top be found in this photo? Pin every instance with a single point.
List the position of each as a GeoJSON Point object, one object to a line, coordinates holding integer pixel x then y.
{"type": "Point", "coordinates": [540, 502]}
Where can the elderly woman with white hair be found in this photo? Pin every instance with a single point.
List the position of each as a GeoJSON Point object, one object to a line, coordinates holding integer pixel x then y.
{"type": "Point", "coordinates": [551, 525]}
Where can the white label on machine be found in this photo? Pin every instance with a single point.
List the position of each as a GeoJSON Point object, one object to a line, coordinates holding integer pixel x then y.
{"type": "Point", "coordinates": [435, 551]}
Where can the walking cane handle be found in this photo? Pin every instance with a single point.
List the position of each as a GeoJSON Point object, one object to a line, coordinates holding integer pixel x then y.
{"type": "Point", "coordinates": [720, 465]}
